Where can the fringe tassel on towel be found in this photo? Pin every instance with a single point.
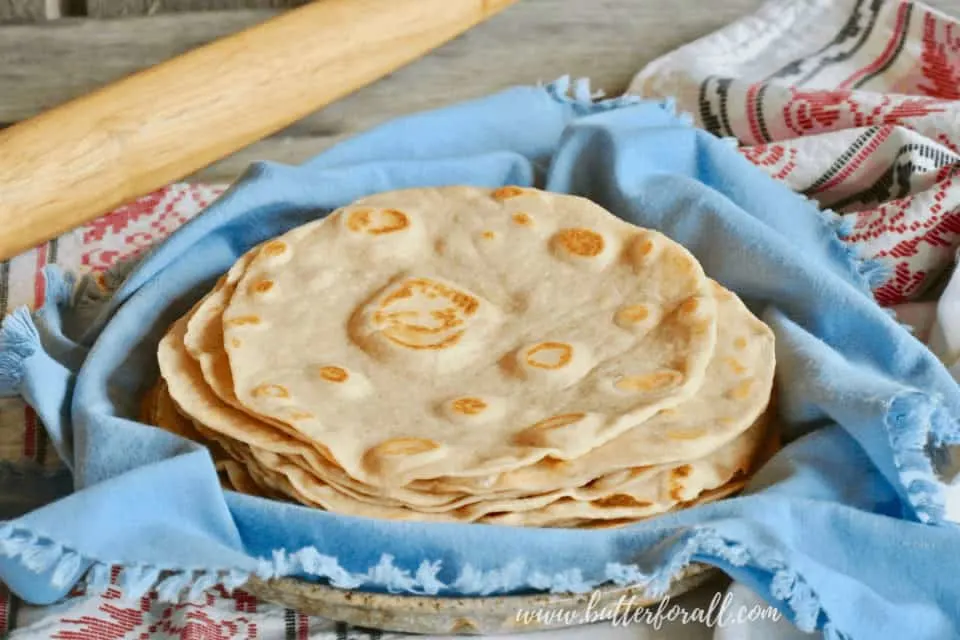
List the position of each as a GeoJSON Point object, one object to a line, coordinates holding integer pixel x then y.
{"type": "Point", "coordinates": [18, 341]}
{"type": "Point", "coordinates": [914, 421]}
{"type": "Point", "coordinates": [59, 286]}
{"type": "Point", "coordinates": [171, 588]}
{"type": "Point", "coordinates": [19, 338]}
{"type": "Point", "coordinates": [577, 94]}
{"type": "Point", "coordinates": [173, 585]}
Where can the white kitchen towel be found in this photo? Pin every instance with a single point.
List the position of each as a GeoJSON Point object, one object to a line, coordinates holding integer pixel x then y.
{"type": "Point", "coordinates": [854, 103]}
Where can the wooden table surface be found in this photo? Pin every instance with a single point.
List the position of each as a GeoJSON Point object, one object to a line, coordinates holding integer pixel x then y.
{"type": "Point", "coordinates": [46, 62]}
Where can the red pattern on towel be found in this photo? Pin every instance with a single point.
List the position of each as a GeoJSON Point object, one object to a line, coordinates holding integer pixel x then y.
{"type": "Point", "coordinates": [855, 120]}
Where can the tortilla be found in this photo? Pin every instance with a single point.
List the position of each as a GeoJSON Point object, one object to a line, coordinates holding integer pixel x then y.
{"type": "Point", "coordinates": [462, 331]}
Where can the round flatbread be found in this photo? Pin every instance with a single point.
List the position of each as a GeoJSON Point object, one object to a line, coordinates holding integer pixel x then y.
{"type": "Point", "coordinates": [462, 331]}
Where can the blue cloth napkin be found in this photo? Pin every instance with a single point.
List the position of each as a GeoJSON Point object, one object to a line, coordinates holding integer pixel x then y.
{"type": "Point", "coordinates": [843, 530]}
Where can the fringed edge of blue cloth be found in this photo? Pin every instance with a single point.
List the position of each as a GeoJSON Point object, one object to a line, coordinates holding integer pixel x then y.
{"type": "Point", "coordinates": [175, 585]}
{"type": "Point", "coordinates": [914, 421]}
{"type": "Point", "coordinates": [19, 338]}
{"type": "Point", "coordinates": [578, 94]}
{"type": "Point", "coordinates": [874, 272]}
{"type": "Point", "coordinates": [18, 341]}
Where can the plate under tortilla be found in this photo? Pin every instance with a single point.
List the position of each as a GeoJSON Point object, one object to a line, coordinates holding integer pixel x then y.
{"type": "Point", "coordinates": [465, 616]}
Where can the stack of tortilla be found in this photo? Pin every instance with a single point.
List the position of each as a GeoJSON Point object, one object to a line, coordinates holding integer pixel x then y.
{"type": "Point", "coordinates": [507, 356]}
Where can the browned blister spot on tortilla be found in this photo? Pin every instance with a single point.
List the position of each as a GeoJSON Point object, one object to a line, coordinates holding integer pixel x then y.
{"type": "Point", "coordinates": [268, 390]}
{"type": "Point", "coordinates": [522, 219]}
{"type": "Point", "coordinates": [235, 343]}
{"type": "Point", "coordinates": [506, 192]}
{"type": "Point", "coordinates": [262, 286]}
{"type": "Point", "coordinates": [621, 500]}
{"type": "Point", "coordinates": [676, 485]}
{"type": "Point", "coordinates": [358, 220]}
{"type": "Point", "coordinates": [579, 242]}
{"type": "Point", "coordinates": [394, 221]}
{"type": "Point", "coordinates": [726, 422]}
{"type": "Point", "coordinates": [644, 248]}
{"type": "Point", "coordinates": [635, 472]}
{"type": "Point", "coordinates": [657, 381]}
{"type": "Point", "coordinates": [690, 306]}
{"type": "Point", "coordinates": [740, 343]}
{"type": "Point", "coordinates": [489, 235]}
{"type": "Point", "coordinates": [301, 415]}
{"type": "Point", "coordinates": [241, 321]}
{"type": "Point", "coordinates": [275, 248]}
{"type": "Point", "coordinates": [333, 374]}
{"type": "Point", "coordinates": [742, 390]}
{"type": "Point", "coordinates": [682, 471]}
{"type": "Point", "coordinates": [552, 463]}
{"type": "Point", "coordinates": [549, 355]}
{"type": "Point", "coordinates": [531, 435]}
{"type": "Point", "coordinates": [377, 221]}
{"type": "Point", "coordinates": [469, 406]}
{"type": "Point", "coordinates": [407, 337]}
{"type": "Point", "coordinates": [555, 422]}
{"type": "Point", "coordinates": [632, 314]}
{"type": "Point", "coordinates": [439, 327]}
{"type": "Point", "coordinates": [736, 366]}
{"type": "Point", "coordinates": [403, 447]}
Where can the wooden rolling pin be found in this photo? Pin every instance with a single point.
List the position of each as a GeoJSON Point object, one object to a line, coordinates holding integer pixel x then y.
{"type": "Point", "coordinates": [88, 156]}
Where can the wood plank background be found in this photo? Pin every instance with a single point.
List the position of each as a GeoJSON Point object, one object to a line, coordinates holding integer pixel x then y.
{"type": "Point", "coordinates": [45, 61]}
{"type": "Point", "coordinates": [123, 8]}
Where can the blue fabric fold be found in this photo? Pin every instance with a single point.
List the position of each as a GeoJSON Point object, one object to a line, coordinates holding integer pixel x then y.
{"type": "Point", "coordinates": [843, 530]}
